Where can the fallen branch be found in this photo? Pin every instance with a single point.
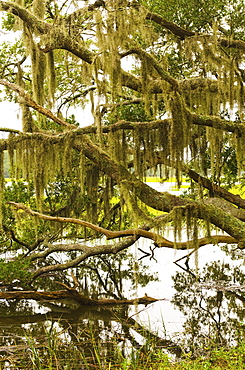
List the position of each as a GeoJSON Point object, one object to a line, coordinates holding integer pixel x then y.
{"type": "Point", "coordinates": [74, 295]}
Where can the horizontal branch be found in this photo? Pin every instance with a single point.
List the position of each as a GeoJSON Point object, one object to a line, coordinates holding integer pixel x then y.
{"type": "Point", "coordinates": [5, 129]}
{"type": "Point", "coordinates": [209, 121]}
{"type": "Point", "coordinates": [213, 239]}
{"type": "Point", "coordinates": [218, 123]}
{"type": "Point", "coordinates": [74, 295]}
{"type": "Point", "coordinates": [159, 240]}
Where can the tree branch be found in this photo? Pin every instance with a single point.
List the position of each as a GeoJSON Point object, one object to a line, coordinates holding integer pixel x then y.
{"type": "Point", "coordinates": [161, 201]}
{"type": "Point", "coordinates": [56, 39]}
{"type": "Point", "coordinates": [28, 18]}
{"type": "Point", "coordinates": [162, 73]}
{"type": "Point", "coordinates": [181, 32]}
{"type": "Point", "coordinates": [12, 130]}
{"type": "Point", "coordinates": [218, 123]}
{"type": "Point", "coordinates": [31, 103]}
{"type": "Point", "coordinates": [74, 295]}
{"type": "Point", "coordinates": [217, 190]}
{"type": "Point", "coordinates": [91, 251]}
{"type": "Point", "coordinates": [159, 240]}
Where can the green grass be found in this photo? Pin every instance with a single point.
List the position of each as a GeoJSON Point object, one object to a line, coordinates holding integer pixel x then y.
{"type": "Point", "coordinates": [55, 354]}
{"type": "Point", "coordinates": [219, 359]}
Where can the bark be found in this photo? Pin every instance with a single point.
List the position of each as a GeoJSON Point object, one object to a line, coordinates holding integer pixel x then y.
{"type": "Point", "coordinates": [86, 252]}
{"type": "Point", "coordinates": [229, 43]}
{"type": "Point", "coordinates": [227, 207]}
{"type": "Point", "coordinates": [58, 40]}
{"type": "Point", "coordinates": [218, 123]}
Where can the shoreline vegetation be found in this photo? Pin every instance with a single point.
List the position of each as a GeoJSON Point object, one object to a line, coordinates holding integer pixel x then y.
{"type": "Point", "coordinates": [42, 356]}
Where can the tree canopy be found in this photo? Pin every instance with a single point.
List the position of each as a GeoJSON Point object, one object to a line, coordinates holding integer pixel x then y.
{"type": "Point", "coordinates": [165, 83]}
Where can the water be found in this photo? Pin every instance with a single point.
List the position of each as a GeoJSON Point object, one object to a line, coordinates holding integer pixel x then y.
{"type": "Point", "coordinates": [200, 299]}
{"type": "Point", "coordinates": [161, 320]}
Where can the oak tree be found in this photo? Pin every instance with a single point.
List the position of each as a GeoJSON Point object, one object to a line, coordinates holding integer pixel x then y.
{"type": "Point", "coordinates": [165, 84]}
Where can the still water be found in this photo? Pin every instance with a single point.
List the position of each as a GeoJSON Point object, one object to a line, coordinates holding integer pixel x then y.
{"type": "Point", "coordinates": [201, 299]}
{"type": "Point", "coordinates": [196, 303]}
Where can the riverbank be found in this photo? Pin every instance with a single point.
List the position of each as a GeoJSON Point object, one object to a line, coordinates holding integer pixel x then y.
{"type": "Point", "coordinates": [57, 355]}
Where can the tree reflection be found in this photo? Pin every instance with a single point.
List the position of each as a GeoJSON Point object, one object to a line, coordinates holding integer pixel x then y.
{"type": "Point", "coordinates": [212, 299]}
{"type": "Point", "coordinates": [90, 338]}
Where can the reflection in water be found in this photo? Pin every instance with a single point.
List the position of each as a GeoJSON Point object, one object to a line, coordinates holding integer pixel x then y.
{"type": "Point", "coordinates": [87, 336]}
{"type": "Point", "coordinates": [212, 299]}
{"type": "Point", "coordinates": [210, 296]}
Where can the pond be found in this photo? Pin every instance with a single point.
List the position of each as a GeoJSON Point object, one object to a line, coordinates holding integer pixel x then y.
{"type": "Point", "coordinates": [200, 303]}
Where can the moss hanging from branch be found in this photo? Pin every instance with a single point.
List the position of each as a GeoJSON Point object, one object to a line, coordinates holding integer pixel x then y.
{"type": "Point", "coordinates": [145, 73]}
{"type": "Point", "coordinates": [240, 154]}
{"type": "Point", "coordinates": [38, 72]}
{"type": "Point", "coordinates": [192, 226]}
{"type": "Point", "coordinates": [1, 185]}
{"type": "Point", "coordinates": [11, 153]}
{"type": "Point", "coordinates": [39, 160]}
{"type": "Point", "coordinates": [91, 183]}
{"type": "Point", "coordinates": [51, 77]}
{"type": "Point", "coordinates": [38, 7]}
{"type": "Point", "coordinates": [215, 138]}
{"type": "Point", "coordinates": [137, 152]}
{"type": "Point", "coordinates": [135, 213]}
{"type": "Point", "coordinates": [178, 215]}
{"type": "Point", "coordinates": [28, 124]}
{"type": "Point", "coordinates": [179, 134]}
{"type": "Point", "coordinates": [82, 172]}
{"type": "Point", "coordinates": [67, 152]}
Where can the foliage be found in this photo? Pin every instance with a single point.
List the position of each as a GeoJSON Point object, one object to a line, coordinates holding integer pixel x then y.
{"type": "Point", "coordinates": [12, 272]}
{"type": "Point", "coordinates": [165, 85]}
{"type": "Point", "coordinates": [51, 352]}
